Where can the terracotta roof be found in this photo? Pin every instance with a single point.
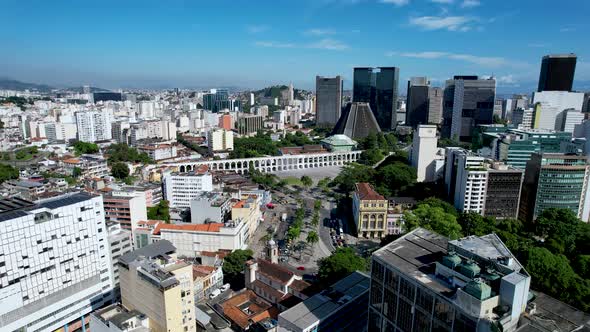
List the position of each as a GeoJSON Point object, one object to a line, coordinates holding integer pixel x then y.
{"type": "Point", "coordinates": [239, 204]}
{"type": "Point", "coordinates": [274, 271]}
{"type": "Point", "coordinates": [202, 270]}
{"type": "Point", "coordinates": [72, 161]}
{"type": "Point", "coordinates": [299, 285]}
{"type": "Point", "coordinates": [220, 254]}
{"type": "Point", "coordinates": [273, 292]}
{"type": "Point", "coordinates": [365, 191]}
{"type": "Point", "coordinates": [233, 309]}
{"type": "Point", "coordinates": [214, 227]}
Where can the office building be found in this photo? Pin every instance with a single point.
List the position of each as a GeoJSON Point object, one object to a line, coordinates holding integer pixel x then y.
{"type": "Point", "coordinates": [550, 105]}
{"type": "Point", "coordinates": [435, 105]}
{"type": "Point", "coordinates": [341, 307]}
{"type": "Point", "coordinates": [212, 207]}
{"type": "Point", "coordinates": [125, 208]}
{"type": "Point", "coordinates": [417, 101]}
{"type": "Point", "coordinates": [55, 263]}
{"type": "Point", "coordinates": [465, 179]}
{"type": "Point", "coordinates": [468, 102]}
{"type": "Point", "coordinates": [218, 99]}
{"type": "Point", "coordinates": [249, 124]}
{"type": "Point", "coordinates": [568, 120]}
{"type": "Point", "coordinates": [379, 88]}
{"type": "Point", "coordinates": [119, 241]}
{"type": "Point", "coordinates": [557, 72]}
{"type": "Point", "coordinates": [369, 210]}
{"type": "Point", "coordinates": [220, 140]}
{"type": "Point", "coordinates": [94, 126]}
{"type": "Point", "coordinates": [554, 180]}
{"type": "Point", "coordinates": [516, 146]}
{"type": "Point", "coordinates": [503, 187]}
{"type": "Point", "coordinates": [115, 318]}
{"type": "Point", "coordinates": [357, 121]}
{"type": "Point", "coordinates": [426, 282]}
{"type": "Point", "coordinates": [181, 188]}
{"type": "Point", "coordinates": [424, 152]}
{"type": "Point", "coordinates": [106, 96]}
{"type": "Point", "coordinates": [523, 118]}
{"type": "Point", "coordinates": [156, 283]}
{"type": "Point", "coordinates": [226, 121]}
{"type": "Point", "coordinates": [328, 100]}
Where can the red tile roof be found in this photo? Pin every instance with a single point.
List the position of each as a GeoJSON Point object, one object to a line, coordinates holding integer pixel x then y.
{"type": "Point", "coordinates": [214, 227]}
{"type": "Point", "coordinates": [259, 309]}
{"type": "Point", "coordinates": [365, 191]}
{"type": "Point", "coordinates": [274, 271]}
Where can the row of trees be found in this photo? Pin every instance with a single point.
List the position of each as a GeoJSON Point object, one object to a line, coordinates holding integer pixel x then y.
{"type": "Point", "coordinates": [262, 144]}
{"type": "Point", "coordinates": [555, 249]}
{"type": "Point", "coordinates": [124, 153]}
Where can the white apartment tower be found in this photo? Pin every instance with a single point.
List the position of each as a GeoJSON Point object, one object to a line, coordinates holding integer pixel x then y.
{"type": "Point", "coordinates": [466, 180]}
{"type": "Point", "coordinates": [181, 188]}
{"type": "Point", "coordinates": [220, 140]}
{"type": "Point", "coordinates": [424, 148]}
{"type": "Point", "coordinates": [54, 264]}
{"type": "Point", "coordinates": [94, 125]}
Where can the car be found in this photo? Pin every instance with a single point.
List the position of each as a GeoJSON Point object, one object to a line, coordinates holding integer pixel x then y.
{"type": "Point", "coordinates": [301, 268]}
{"type": "Point", "coordinates": [214, 294]}
{"type": "Point", "coordinates": [224, 287]}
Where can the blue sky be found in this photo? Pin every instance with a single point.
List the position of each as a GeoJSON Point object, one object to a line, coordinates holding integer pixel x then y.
{"type": "Point", "coordinates": [257, 43]}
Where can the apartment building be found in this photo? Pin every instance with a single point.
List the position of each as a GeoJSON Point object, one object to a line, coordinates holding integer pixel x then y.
{"type": "Point", "coordinates": [181, 188]}
{"type": "Point", "coordinates": [91, 166]}
{"type": "Point", "coordinates": [212, 207]}
{"type": "Point", "coordinates": [55, 266]}
{"type": "Point", "coordinates": [119, 241]}
{"type": "Point", "coordinates": [159, 152]}
{"type": "Point", "coordinates": [125, 208]}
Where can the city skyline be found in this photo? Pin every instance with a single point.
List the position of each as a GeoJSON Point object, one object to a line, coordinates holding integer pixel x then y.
{"type": "Point", "coordinates": [188, 45]}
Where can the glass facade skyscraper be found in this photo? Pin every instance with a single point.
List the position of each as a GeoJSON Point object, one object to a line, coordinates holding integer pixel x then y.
{"type": "Point", "coordinates": [379, 88]}
{"type": "Point", "coordinates": [328, 100]}
{"type": "Point", "coordinates": [557, 72]}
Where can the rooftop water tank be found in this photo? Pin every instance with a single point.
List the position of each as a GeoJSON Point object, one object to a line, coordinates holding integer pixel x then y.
{"type": "Point", "coordinates": [451, 261]}
{"type": "Point", "coordinates": [478, 289]}
{"type": "Point", "coordinates": [469, 269]}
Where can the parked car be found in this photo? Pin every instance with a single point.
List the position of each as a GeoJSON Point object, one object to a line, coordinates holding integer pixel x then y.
{"type": "Point", "coordinates": [214, 294]}
{"type": "Point", "coordinates": [301, 268]}
{"type": "Point", "coordinates": [224, 287]}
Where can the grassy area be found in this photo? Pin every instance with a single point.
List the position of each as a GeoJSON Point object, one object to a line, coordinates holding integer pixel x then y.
{"type": "Point", "coordinates": [293, 181]}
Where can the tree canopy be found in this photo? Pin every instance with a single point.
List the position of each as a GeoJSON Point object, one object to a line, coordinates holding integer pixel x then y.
{"type": "Point", "coordinates": [120, 170]}
{"type": "Point", "coordinates": [85, 148]}
{"type": "Point", "coordinates": [125, 153]}
{"type": "Point", "coordinates": [233, 266]}
{"type": "Point", "coordinates": [161, 211]}
{"type": "Point", "coordinates": [434, 219]}
{"type": "Point", "coordinates": [340, 264]}
{"type": "Point", "coordinates": [8, 172]}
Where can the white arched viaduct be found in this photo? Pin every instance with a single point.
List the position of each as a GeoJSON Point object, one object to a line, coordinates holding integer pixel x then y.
{"type": "Point", "coordinates": [272, 164]}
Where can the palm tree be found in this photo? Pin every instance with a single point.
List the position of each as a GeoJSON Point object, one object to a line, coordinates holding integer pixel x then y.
{"type": "Point", "coordinates": [312, 237]}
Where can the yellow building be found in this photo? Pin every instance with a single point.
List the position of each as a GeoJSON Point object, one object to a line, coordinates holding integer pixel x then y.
{"type": "Point", "coordinates": [248, 210]}
{"type": "Point", "coordinates": [370, 212]}
{"type": "Point", "coordinates": [157, 284]}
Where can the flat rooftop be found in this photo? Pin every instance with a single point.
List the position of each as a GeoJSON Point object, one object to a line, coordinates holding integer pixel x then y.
{"type": "Point", "coordinates": [15, 207]}
{"type": "Point", "coordinates": [324, 304]}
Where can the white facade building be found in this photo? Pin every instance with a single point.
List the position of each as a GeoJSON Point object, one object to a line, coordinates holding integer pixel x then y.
{"type": "Point", "coordinates": [466, 180]}
{"type": "Point", "coordinates": [569, 119]}
{"type": "Point", "coordinates": [159, 151]}
{"type": "Point", "coordinates": [549, 105]}
{"type": "Point", "coordinates": [94, 125]}
{"type": "Point", "coordinates": [119, 241]}
{"type": "Point", "coordinates": [55, 265]}
{"type": "Point", "coordinates": [181, 188]}
{"type": "Point", "coordinates": [523, 118]}
{"type": "Point", "coordinates": [220, 140]}
{"type": "Point", "coordinates": [424, 151]}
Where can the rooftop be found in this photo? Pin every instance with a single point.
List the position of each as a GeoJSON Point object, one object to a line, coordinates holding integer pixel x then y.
{"type": "Point", "coordinates": [160, 248]}
{"type": "Point", "coordinates": [324, 304]}
{"type": "Point", "coordinates": [365, 191]}
{"type": "Point", "coordinates": [339, 139]}
{"type": "Point", "coordinates": [553, 315]}
{"type": "Point", "coordinates": [247, 308]}
{"type": "Point", "coordinates": [11, 208]}
{"type": "Point", "coordinates": [118, 316]}
{"type": "Point", "coordinates": [212, 227]}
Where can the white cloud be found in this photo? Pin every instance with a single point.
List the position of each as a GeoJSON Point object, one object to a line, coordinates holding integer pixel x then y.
{"type": "Point", "coordinates": [506, 79]}
{"type": "Point", "coordinates": [445, 2]}
{"type": "Point", "coordinates": [567, 29]}
{"type": "Point", "coordinates": [492, 62]}
{"type": "Point", "coordinates": [451, 23]}
{"type": "Point", "coordinates": [329, 44]}
{"type": "Point", "coordinates": [323, 44]}
{"type": "Point", "coordinates": [274, 44]}
{"type": "Point", "coordinates": [256, 28]}
{"type": "Point", "coordinates": [320, 32]}
{"type": "Point", "coordinates": [398, 3]}
{"type": "Point", "coordinates": [470, 3]}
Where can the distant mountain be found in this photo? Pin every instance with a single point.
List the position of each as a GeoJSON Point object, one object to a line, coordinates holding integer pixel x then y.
{"type": "Point", "coordinates": [80, 89]}
{"type": "Point", "coordinates": [11, 84]}
{"type": "Point", "coordinates": [275, 92]}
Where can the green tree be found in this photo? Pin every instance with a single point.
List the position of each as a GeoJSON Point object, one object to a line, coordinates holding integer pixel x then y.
{"type": "Point", "coordinates": [312, 237]}
{"type": "Point", "coordinates": [233, 266]}
{"type": "Point", "coordinates": [340, 264]}
{"type": "Point", "coordinates": [76, 172]}
{"type": "Point", "coordinates": [559, 227]}
{"type": "Point", "coordinates": [474, 224]}
{"type": "Point", "coordinates": [371, 156]}
{"type": "Point", "coordinates": [582, 266]}
{"type": "Point", "coordinates": [161, 211]}
{"type": "Point", "coordinates": [395, 177]}
{"type": "Point", "coordinates": [315, 220]}
{"type": "Point", "coordinates": [434, 219]}
{"type": "Point", "coordinates": [306, 181]}
{"type": "Point", "coordinates": [352, 174]}
{"type": "Point", "coordinates": [122, 152]}
{"type": "Point", "coordinates": [120, 170]}
{"type": "Point", "coordinates": [85, 148]}
{"type": "Point", "coordinates": [317, 205]}
{"type": "Point", "coordinates": [8, 172]}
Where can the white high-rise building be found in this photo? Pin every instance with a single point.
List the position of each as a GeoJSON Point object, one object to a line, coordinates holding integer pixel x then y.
{"type": "Point", "coordinates": [55, 267]}
{"type": "Point", "coordinates": [549, 105]}
{"type": "Point", "coordinates": [424, 150]}
{"type": "Point", "coordinates": [251, 99]}
{"type": "Point", "coordinates": [568, 119]}
{"type": "Point", "coordinates": [466, 178]}
{"type": "Point", "coordinates": [220, 140]}
{"type": "Point", "coordinates": [523, 118]}
{"type": "Point", "coordinates": [94, 125]}
{"type": "Point", "coordinates": [181, 188]}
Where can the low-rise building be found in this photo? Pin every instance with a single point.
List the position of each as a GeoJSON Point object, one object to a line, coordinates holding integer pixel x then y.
{"type": "Point", "coordinates": [211, 207]}
{"type": "Point", "coordinates": [153, 281]}
{"type": "Point", "coordinates": [339, 143]}
{"type": "Point", "coordinates": [30, 190]}
{"type": "Point", "coordinates": [396, 206]}
{"type": "Point", "coordinates": [247, 210]}
{"type": "Point", "coordinates": [159, 151]}
{"type": "Point", "coordinates": [91, 166]}
{"type": "Point", "coordinates": [369, 210]}
{"type": "Point", "coordinates": [125, 208]}
{"type": "Point", "coordinates": [341, 307]}
{"type": "Point", "coordinates": [206, 279]}
{"type": "Point", "coordinates": [115, 318]}
{"type": "Point", "coordinates": [246, 309]}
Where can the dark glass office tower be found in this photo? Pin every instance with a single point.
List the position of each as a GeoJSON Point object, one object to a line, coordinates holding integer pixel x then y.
{"type": "Point", "coordinates": [557, 72]}
{"type": "Point", "coordinates": [328, 100]}
{"type": "Point", "coordinates": [417, 102]}
{"type": "Point", "coordinates": [378, 87]}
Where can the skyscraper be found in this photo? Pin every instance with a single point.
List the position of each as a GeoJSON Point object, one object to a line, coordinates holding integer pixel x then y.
{"type": "Point", "coordinates": [417, 101]}
{"type": "Point", "coordinates": [468, 102]}
{"type": "Point", "coordinates": [557, 72]}
{"type": "Point", "coordinates": [328, 100]}
{"type": "Point", "coordinates": [378, 87]}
